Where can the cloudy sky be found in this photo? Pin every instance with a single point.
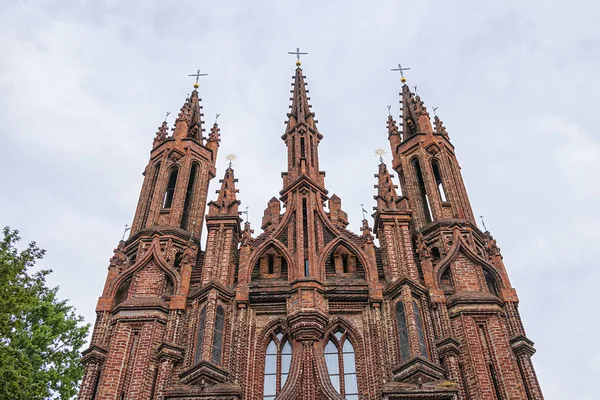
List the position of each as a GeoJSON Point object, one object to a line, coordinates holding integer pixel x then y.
{"type": "Point", "coordinates": [84, 85]}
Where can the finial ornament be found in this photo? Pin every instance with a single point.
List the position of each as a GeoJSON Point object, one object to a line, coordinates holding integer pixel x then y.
{"type": "Point", "coordinates": [247, 214]}
{"type": "Point", "coordinates": [217, 117]}
{"type": "Point", "coordinates": [389, 110]}
{"type": "Point", "coordinates": [197, 75]}
{"type": "Point", "coordinates": [380, 152]}
{"type": "Point", "coordinates": [127, 228]}
{"type": "Point", "coordinates": [297, 53]}
{"type": "Point", "coordinates": [362, 207]}
{"type": "Point", "coordinates": [483, 222]}
{"type": "Point", "coordinates": [167, 115]}
{"type": "Point", "coordinates": [231, 158]}
{"type": "Point", "coordinates": [434, 108]}
{"type": "Point", "coordinates": [402, 79]}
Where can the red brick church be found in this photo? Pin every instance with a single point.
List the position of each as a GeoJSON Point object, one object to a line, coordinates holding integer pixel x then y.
{"type": "Point", "coordinates": [418, 305]}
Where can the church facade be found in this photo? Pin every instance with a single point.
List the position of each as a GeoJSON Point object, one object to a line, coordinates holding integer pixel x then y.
{"type": "Point", "coordinates": [417, 305]}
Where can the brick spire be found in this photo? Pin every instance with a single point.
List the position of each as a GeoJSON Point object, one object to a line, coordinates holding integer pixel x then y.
{"type": "Point", "coordinates": [300, 109]}
{"type": "Point", "coordinates": [415, 118]}
{"type": "Point", "coordinates": [214, 139]}
{"type": "Point", "coordinates": [387, 197]}
{"type": "Point", "coordinates": [189, 121]}
{"type": "Point", "coordinates": [227, 202]}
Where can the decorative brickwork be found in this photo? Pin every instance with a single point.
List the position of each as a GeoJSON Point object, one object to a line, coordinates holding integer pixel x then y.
{"type": "Point", "coordinates": [418, 307]}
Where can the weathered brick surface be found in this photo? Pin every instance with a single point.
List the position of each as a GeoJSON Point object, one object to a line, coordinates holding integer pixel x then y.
{"type": "Point", "coordinates": [326, 283]}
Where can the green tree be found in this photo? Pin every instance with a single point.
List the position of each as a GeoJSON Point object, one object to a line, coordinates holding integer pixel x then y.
{"type": "Point", "coordinates": [40, 335]}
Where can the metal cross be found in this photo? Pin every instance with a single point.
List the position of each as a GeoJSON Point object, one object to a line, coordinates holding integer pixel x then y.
{"type": "Point", "coordinates": [297, 53]}
{"type": "Point", "coordinates": [127, 227]}
{"type": "Point", "coordinates": [217, 117]}
{"type": "Point", "coordinates": [362, 207]}
{"type": "Point", "coordinates": [389, 110]}
{"type": "Point", "coordinates": [245, 212]}
{"type": "Point", "coordinates": [434, 114]}
{"type": "Point", "coordinates": [401, 70]}
{"type": "Point", "coordinates": [483, 222]}
{"type": "Point", "coordinates": [167, 115]}
{"type": "Point", "coordinates": [197, 75]}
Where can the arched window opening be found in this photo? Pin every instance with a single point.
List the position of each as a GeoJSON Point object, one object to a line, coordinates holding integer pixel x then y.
{"type": "Point", "coordinates": [123, 291]}
{"type": "Point", "coordinates": [435, 254]}
{"type": "Point", "coordinates": [420, 330]}
{"type": "Point", "coordinates": [402, 332]}
{"type": "Point", "coordinates": [302, 149]}
{"type": "Point", "coordinates": [178, 258]}
{"type": "Point", "coordinates": [343, 261]}
{"type": "Point", "coordinates": [312, 155]}
{"type": "Point", "coordinates": [438, 179]}
{"type": "Point", "coordinates": [271, 264]}
{"type": "Point", "coordinates": [278, 359]}
{"type": "Point", "coordinates": [170, 192]}
{"type": "Point", "coordinates": [200, 336]}
{"type": "Point", "coordinates": [217, 345]}
{"type": "Point", "coordinates": [421, 182]}
{"type": "Point", "coordinates": [341, 365]}
{"type": "Point", "coordinates": [490, 282]}
{"type": "Point", "coordinates": [189, 197]}
{"type": "Point", "coordinates": [446, 281]}
{"type": "Point", "coordinates": [151, 194]}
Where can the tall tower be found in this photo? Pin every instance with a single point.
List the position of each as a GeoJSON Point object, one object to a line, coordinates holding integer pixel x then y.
{"type": "Point", "coordinates": [307, 309]}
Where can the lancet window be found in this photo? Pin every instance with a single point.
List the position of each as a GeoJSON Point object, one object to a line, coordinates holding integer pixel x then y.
{"type": "Point", "coordinates": [200, 336]}
{"type": "Point", "coordinates": [217, 344]}
{"type": "Point", "coordinates": [402, 331]}
{"type": "Point", "coordinates": [170, 192]}
{"type": "Point", "coordinates": [278, 359]}
{"type": "Point", "coordinates": [341, 365]}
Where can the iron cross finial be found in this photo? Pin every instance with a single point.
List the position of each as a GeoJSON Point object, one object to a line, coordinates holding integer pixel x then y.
{"type": "Point", "coordinates": [217, 117]}
{"type": "Point", "coordinates": [197, 75]}
{"type": "Point", "coordinates": [362, 207]}
{"type": "Point", "coordinates": [127, 228]}
{"type": "Point", "coordinates": [434, 108]}
{"type": "Point", "coordinates": [389, 110]}
{"type": "Point", "coordinates": [297, 53]}
{"type": "Point", "coordinates": [167, 115]}
{"type": "Point", "coordinates": [402, 79]}
{"type": "Point", "coordinates": [483, 222]}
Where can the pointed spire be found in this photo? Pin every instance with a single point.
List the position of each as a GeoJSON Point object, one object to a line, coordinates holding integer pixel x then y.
{"type": "Point", "coordinates": [367, 232]}
{"type": "Point", "coordinates": [392, 127]}
{"type": "Point", "coordinates": [161, 134]}
{"type": "Point", "coordinates": [439, 127]}
{"type": "Point", "coordinates": [415, 118]}
{"type": "Point", "coordinates": [300, 109]}
{"type": "Point", "coordinates": [213, 140]}
{"type": "Point", "coordinates": [387, 197]}
{"type": "Point", "coordinates": [227, 202]}
{"type": "Point", "coordinates": [189, 120]}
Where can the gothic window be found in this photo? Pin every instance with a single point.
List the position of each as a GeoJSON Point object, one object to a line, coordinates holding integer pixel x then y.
{"type": "Point", "coordinates": [170, 192]}
{"type": "Point", "coordinates": [302, 150]}
{"type": "Point", "coordinates": [438, 179]}
{"type": "Point", "coordinates": [278, 359]}
{"type": "Point", "coordinates": [341, 365]}
{"type": "Point", "coordinates": [200, 337]}
{"type": "Point", "coordinates": [402, 331]}
{"type": "Point", "coordinates": [189, 197]}
{"type": "Point", "coordinates": [423, 192]}
{"type": "Point", "coordinates": [420, 330]}
{"type": "Point", "coordinates": [490, 282]}
{"type": "Point", "coordinates": [123, 291]}
{"type": "Point", "coordinates": [270, 265]}
{"type": "Point", "coordinates": [217, 344]}
{"type": "Point", "coordinates": [446, 281]}
{"type": "Point", "coordinates": [151, 194]}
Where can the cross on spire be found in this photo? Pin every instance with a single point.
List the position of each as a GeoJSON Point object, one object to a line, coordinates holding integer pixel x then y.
{"type": "Point", "coordinates": [403, 79]}
{"type": "Point", "coordinates": [197, 75]}
{"type": "Point", "coordinates": [297, 53]}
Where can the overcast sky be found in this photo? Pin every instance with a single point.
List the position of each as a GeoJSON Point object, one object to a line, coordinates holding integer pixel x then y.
{"type": "Point", "coordinates": [84, 85]}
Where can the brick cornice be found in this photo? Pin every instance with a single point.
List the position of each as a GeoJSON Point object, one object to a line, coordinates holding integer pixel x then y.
{"type": "Point", "coordinates": [94, 353]}
{"type": "Point", "coordinates": [521, 344]}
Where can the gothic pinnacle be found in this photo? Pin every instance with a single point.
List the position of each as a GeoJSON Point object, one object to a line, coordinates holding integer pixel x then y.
{"type": "Point", "coordinates": [227, 202]}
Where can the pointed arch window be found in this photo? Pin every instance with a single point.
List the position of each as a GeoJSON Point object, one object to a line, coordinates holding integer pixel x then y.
{"type": "Point", "coordinates": [424, 198]}
{"type": "Point", "coordinates": [341, 365]}
{"type": "Point", "coordinates": [490, 282]}
{"type": "Point", "coordinates": [217, 344]}
{"type": "Point", "coordinates": [278, 359]}
{"type": "Point", "coordinates": [435, 165]}
{"type": "Point", "coordinates": [151, 194]}
{"type": "Point", "coordinates": [200, 336]}
{"type": "Point", "coordinates": [402, 331]}
{"type": "Point", "coordinates": [170, 192]}
{"type": "Point", "coordinates": [189, 197]}
{"type": "Point", "coordinates": [420, 330]}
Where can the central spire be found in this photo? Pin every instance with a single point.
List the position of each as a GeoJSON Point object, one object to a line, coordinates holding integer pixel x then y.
{"type": "Point", "coordinates": [302, 137]}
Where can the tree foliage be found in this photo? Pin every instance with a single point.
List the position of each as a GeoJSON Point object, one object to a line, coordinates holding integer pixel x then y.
{"type": "Point", "coordinates": [40, 335]}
